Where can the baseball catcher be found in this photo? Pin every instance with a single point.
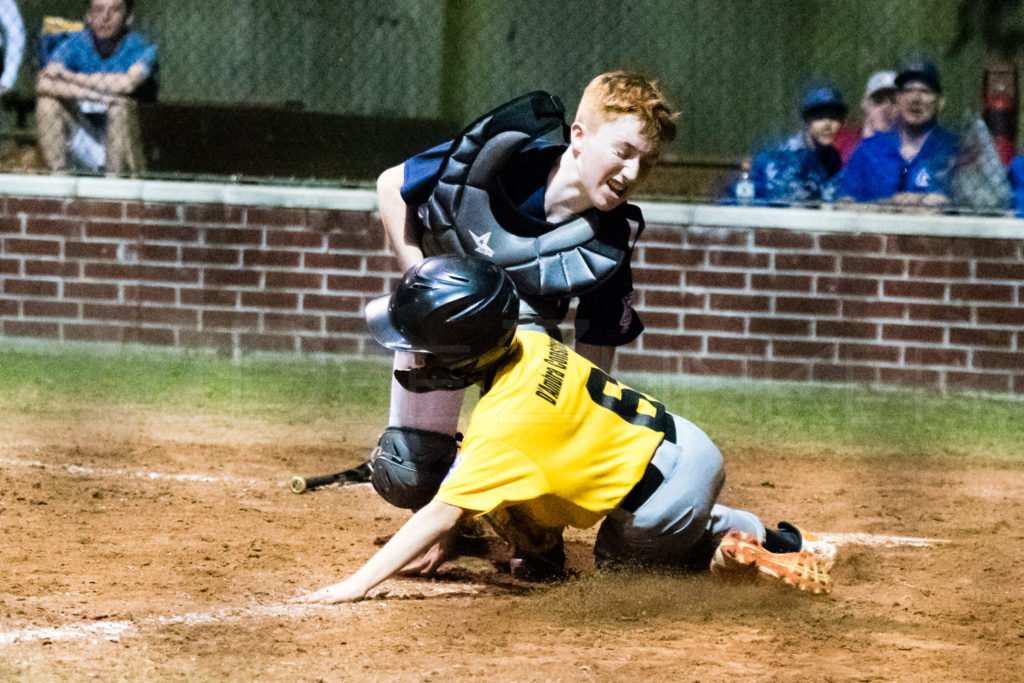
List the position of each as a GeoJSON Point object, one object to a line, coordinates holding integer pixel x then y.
{"type": "Point", "coordinates": [556, 441]}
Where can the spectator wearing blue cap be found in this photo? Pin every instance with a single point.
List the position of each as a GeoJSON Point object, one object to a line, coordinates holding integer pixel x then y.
{"type": "Point", "coordinates": [805, 169]}
{"type": "Point", "coordinates": [912, 164]}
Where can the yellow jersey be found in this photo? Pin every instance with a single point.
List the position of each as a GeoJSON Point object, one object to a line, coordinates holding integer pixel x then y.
{"type": "Point", "coordinates": [555, 435]}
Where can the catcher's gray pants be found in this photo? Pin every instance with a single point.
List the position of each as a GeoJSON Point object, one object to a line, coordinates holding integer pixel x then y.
{"type": "Point", "coordinates": [679, 513]}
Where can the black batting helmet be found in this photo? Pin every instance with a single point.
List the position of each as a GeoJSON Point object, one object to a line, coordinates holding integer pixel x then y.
{"type": "Point", "coordinates": [460, 310]}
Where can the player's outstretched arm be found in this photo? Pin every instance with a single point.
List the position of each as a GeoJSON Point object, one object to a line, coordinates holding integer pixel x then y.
{"type": "Point", "coordinates": [422, 531]}
{"type": "Point", "coordinates": [400, 224]}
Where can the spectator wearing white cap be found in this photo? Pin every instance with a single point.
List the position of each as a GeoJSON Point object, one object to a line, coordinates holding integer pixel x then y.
{"type": "Point", "coordinates": [879, 107]}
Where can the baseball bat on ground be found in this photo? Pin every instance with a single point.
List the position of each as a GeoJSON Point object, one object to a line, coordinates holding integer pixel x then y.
{"type": "Point", "coordinates": [358, 474]}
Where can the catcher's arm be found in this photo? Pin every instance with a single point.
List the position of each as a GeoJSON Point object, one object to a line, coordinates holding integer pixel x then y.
{"type": "Point", "coordinates": [400, 223]}
{"type": "Point", "coordinates": [421, 531]}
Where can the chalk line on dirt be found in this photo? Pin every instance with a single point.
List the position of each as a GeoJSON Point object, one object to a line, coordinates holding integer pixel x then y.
{"type": "Point", "coordinates": [111, 472]}
{"type": "Point", "coordinates": [113, 630]}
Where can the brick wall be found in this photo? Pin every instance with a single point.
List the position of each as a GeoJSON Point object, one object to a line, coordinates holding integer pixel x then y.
{"type": "Point", "coordinates": [823, 296]}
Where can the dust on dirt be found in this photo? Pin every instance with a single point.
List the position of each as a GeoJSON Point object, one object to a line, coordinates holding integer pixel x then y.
{"type": "Point", "coordinates": [145, 546]}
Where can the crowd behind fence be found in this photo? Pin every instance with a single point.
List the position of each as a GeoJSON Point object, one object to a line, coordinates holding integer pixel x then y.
{"type": "Point", "coordinates": [321, 91]}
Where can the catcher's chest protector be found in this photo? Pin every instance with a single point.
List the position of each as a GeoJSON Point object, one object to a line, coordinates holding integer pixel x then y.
{"type": "Point", "coordinates": [469, 212]}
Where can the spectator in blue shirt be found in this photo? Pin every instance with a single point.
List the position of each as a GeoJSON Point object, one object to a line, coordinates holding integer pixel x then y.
{"type": "Point", "coordinates": [100, 73]}
{"type": "Point", "coordinates": [12, 43]}
{"type": "Point", "coordinates": [912, 164]}
{"type": "Point", "coordinates": [806, 168]}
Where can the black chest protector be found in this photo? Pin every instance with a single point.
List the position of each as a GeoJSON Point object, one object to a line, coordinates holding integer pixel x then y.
{"type": "Point", "coordinates": [470, 213]}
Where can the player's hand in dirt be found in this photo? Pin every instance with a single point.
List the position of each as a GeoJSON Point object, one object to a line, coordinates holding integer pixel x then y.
{"type": "Point", "coordinates": [332, 595]}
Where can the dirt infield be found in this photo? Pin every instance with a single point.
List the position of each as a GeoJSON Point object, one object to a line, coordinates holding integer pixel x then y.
{"type": "Point", "coordinates": [141, 546]}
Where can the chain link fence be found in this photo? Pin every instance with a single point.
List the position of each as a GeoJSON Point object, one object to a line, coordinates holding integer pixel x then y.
{"type": "Point", "coordinates": [329, 90]}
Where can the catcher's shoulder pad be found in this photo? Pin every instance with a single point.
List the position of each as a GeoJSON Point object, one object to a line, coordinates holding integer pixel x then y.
{"type": "Point", "coordinates": [469, 213]}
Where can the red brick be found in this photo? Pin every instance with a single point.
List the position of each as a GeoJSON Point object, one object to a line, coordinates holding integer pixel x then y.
{"type": "Point", "coordinates": [851, 243]}
{"type": "Point", "coordinates": [30, 287]}
{"type": "Point", "coordinates": [157, 295]}
{"type": "Point", "coordinates": [712, 279]}
{"type": "Point", "coordinates": [367, 284]}
{"type": "Point", "coordinates": [739, 259]}
{"type": "Point", "coordinates": [220, 277]}
{"type": "Point", "coordinates": [67, 228]}
{"type": "Point", "coordinates": [829, 372]}
{"type": "Point", "coordinates": [156, 336]}
{"type": "Point", "coordinates": [187, 317]}
{"type": "Point", "coordinates": [95, 333]}
{"type": "Point", "coordinates": [847, 286]}
{"type": "Point", "coordinates": [999, 315]}
{"type": "Point", "coordinates": [180, 234]}
{"type": "Point", "coordinates": [8, 307]}
{"type": "Point", "coordinates": [1018, 384]}
{"type": "Point", "coordinates": [113, 230]}
{"type": "Point", "coordinates": [294, 280]}
{"type": "Point", "coordinates": [119, 312]}
{"type": "Point", "coordinates": [267, 342]}
{"type": "Point", "coordinates": [662, 320]}
{"type": "Point", "coordinates": [669, 256]}
{"type": "Point", "coordinates": [10, 266]}
{"type": "Point", "coordinates": [701, 236]}
{"type": "Point", "coordinates": [10, 225]}
{"type": "Point", "coordinates": [299, 239]}
{"type": "Point", "coordinates": [914, 289]}
{"type": "Point", "coordinates": [999, 360]}
{"type": "Point", "coordinates": [911, 377]}
{"type": "Point", "coordinates": [328, 261]}
{"type": "Point", "coordinates": [863, 265]}
{"type": "Point", "coordinates": [730, 367]}
{"type": "Point", "coordinates": [157, 252]}
{"type": "Point", "coordinates": [806, 305]}
{"type": "Point", "coordinates": [739, 302]}
{"type": "Point", "coordinates": [369, 238]}
{"type": "Point", "coordinates": [98, 208]}
{"type": "Point", "coordinates": [161, 212]}
{"type": "Point", "coordinates": [31, 247]}
{"type": "Point", "coordinates": [275, 216]}
{"type": "Point", "coordinates": [783, 239]}
{"type": "Point", "coordinates": [655, 341]}
{"type": "Point", "coordinates": [214, 213]}
{"type": "Point", "coordinates": [918, 245]}
{"type": "Point", "coordinates": [345, 221]}
{"type": "Point", "coordinates": [337, 304]}
{"type": "Point", "coordinates": [916, 333]}
{"type": "Point", "coordinates": [741, 346]}
{"type": "Point", "coordinates": [132, 211]}
{"type": "Point", "coordinates": [917, 269]}
{"type": "Point", "coordinates": [265, 257]}
{"type": "Point", "coordinates": [136, 272]}
{"type": "Point", "coordinates": [25, 328]}
{"type": "Point", "coordinates": [792, 348]}
{"type": "Point", "coordinates": [208, 297]}
{"type": "Point", "coordinates": [939, 312]}
{"type": "Point", "coordinates": [985, 247]}
{"type": "Point", "coordinates": [230, 319]}
{"type": "Point", "coordinates": [49, 309]}
{"type": "Point", "coordinates": [923, 355]}
{"type": "Point", "coordinates": [780, 326]}
{"type": "Point", "coordinates": [200, 255]}
{"type": "Point", "coordinates": [279, 300]}
{"type": "Point", "coordinates": [987, 293]}
{"type": "Point", "coordinates": [638, 362]}
{"type": "Point", "coordinates": [962, 336]}
{"type": "Point", "coordinates": [62, 269]}
{"type": "Point", "coordinates": [89, 290]}
{"type": "Point", "coordinates": [228, 236]}
{"type": "Point", "coordinates": [713, 323]}
{"type": "Point", "coordinates": [990, 270]}
{"type": "Point", "coordinates": [876, 353]}
{"type": "Point", "coordinates": [780, 283]}
{"type": "Point", "coordinates": [284, 322]}
{"type": "Point", "coordinates": [672, 298]}
{"type": "Point", "coordinates": [658, 277]}
{"type": "Point", "coordinates": [329, 345]}
{"type": "Point", "coordinates": [816, 263]}
{"type": "Point", "coordinates": [345, 324]}
{"type": "Point", "coordinates": [848, 330]}
{"type": "Point", "coordinates": [36, 206]}
{"type": "Point", "coordinates": [973, 381]}
{"type": "Point", "coordinates": [856, 309]}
